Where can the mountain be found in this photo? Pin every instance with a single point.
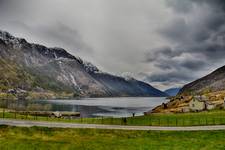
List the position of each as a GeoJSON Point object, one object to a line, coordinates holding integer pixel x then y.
{"type": "Point", "coordinates": [172, 91]}
{"type": "Point", "coordinates": [36, 68]}
{"type": "Point", "coordinates": [213, 82]}
{"type": "Point", "coordinates": [211, 86]}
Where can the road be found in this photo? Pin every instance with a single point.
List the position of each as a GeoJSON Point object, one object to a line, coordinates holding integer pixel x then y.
{"type": "Point", "coordinates": [23, 123]}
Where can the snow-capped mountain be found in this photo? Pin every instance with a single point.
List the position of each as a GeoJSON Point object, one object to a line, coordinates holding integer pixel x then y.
{"type": "Point", "coordinates": [55, 69]}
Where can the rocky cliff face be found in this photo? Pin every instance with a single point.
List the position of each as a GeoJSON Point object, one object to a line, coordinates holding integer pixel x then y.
{"type": "Point", "coordinates": [55, 69]}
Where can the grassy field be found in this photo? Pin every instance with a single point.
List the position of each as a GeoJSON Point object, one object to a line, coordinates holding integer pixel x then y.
{"type": "Point", "coordinates": [216, 117]}
{"type": "Point", "coordinates": [36, 138]}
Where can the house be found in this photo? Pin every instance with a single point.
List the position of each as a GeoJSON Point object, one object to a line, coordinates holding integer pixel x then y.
{"type": "Point", "coordinates": [199, 103]}
{"type": "Point", "coordinates": [209, 105]}
{"type": "Point", "coordinates": [57, 114]}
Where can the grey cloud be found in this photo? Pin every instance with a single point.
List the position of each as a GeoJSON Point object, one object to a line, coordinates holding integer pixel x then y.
{"type": "Point", "coordinates": [4, 3]}
{"type": "Point", "coordinates": [168, 47]}
{"type": "Point", "coordinates": [116, 39]}
{"type": "Point", "coordinates": [184, 66]}
{"type": "Point", "coordinates": [176, 29]}
{"type": "Point", "coordinates": [168, 58]}
{"type": "Point", "coordinates": [193, 65]}
{"type": "Point", "coordinates": [205, 20]}
{"type": "Point", "coordinates": [58, 34]}
{"type": "Point", "coordinates": [169, 77]}
{"type": "Point", "coordinates": [187, 5]}
{"type": "Point", "coordinates": [197, 41]}
{"type": "Point", "coordinates": [62, 34]}
{"type": "Point", "coordinates": [157, 53]}
{"type": "Point", "coordinates": [182, 6]}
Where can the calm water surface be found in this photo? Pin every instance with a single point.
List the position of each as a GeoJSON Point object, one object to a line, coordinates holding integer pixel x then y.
{"type": "Point", "coordinates": [107, 107]}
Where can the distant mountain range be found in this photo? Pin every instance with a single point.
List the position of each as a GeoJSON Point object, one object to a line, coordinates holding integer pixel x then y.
{"type": "Point", "coordinates": [33, 67]}
{"type": "Point", "coordinates": [172, 91]}
{"type": "Point", "coordinates": [215, 81]}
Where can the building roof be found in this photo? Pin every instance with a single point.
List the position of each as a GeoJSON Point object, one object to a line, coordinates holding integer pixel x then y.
{"type": "Point", "coordinates": [201, 98]}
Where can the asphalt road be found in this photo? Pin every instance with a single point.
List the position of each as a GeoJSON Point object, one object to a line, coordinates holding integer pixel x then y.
{"type": "Point", "coordinates": [23, 123]}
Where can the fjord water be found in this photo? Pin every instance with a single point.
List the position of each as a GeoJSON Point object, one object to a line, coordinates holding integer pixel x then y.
{"type": "Point", "coordinates": [106, 107]}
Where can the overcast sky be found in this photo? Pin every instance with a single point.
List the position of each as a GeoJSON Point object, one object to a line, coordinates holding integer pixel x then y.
{"type": "Point", "coordinates": [167, 43]}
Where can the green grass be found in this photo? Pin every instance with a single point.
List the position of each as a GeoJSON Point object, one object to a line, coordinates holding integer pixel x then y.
{"type": "Point", "coordinates": [13, 76]}
{"type": "Point", "coordinates": [216, 117]}
{"type": "Point", "coordinates": [39, 138]}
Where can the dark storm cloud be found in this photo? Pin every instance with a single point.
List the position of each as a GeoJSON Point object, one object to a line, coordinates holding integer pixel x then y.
{"type": "Point", "coordinates": [183, 6]}
{"type": "Point", "coordinates": [176, 68]}
{"type": "Point", "coordinates": [192, 65]}
{"type": "Point", "coordinates": [187, 5]}
{"type": "Point", "coordinates": [175, 30]}
{"type": "Point", "coordinates": [166, 58]}
{"type": "Point", "coordinates": [198, 41]}
{"type": "Point", "coordinates": [206, 19]}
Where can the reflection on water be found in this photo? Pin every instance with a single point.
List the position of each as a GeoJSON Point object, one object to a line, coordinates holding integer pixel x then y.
{"type": "Point", "coordinates": [91, 107]}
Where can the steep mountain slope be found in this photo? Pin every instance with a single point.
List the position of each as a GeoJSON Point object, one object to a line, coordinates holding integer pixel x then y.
{"type": "Point", "coordinates": [172, 91]}
{"type": "Point", "coordinates": [212, 87]}
{"type": "Point", "coordinates": [54, 69]}
{"type": "Point", "coordinates": [215, 81]}
{"type": "Point", "coordinates": [12, 76]}
{"type": "Point", "coordinates": [120, 86]}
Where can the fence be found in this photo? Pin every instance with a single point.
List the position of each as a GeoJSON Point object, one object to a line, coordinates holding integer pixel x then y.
{"type": "Point", "coordinates": [147, 120]}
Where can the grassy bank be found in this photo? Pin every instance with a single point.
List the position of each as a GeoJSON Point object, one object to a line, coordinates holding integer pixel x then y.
{"type": "Point", "coordinates": [16, 138]}
{"type": "Point", "coordinates": [216, 117]}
